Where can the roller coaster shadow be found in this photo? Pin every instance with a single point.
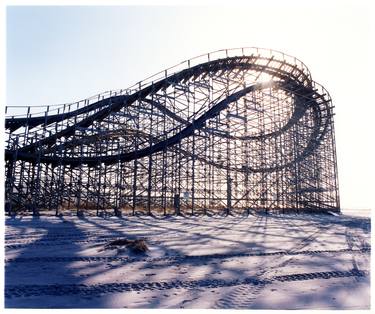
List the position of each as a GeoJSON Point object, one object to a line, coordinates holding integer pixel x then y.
{"type": "Point", "coordinates": [324, 219]}
{"type": "Point", "coordinates": [209, 248]}
{"type": "Point", "coordinates": [16, 275]}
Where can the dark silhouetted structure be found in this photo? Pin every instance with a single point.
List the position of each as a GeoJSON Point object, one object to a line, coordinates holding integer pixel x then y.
{"type": "Point", "coordinates": [228, 132]}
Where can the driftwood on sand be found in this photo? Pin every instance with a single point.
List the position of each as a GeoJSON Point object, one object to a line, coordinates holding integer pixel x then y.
{"type": "Point", "coordinates": [136, 246]}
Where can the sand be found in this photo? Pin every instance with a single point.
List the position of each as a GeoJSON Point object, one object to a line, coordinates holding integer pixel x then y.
{"type": "Point", "coordinates": [255, 262]}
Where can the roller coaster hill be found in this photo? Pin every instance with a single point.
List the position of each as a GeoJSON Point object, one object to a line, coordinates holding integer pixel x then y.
{"type": "Point", "coordinates": [230, 132]}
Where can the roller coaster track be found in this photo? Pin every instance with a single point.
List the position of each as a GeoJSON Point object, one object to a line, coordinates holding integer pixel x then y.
{"type": "Point", "coordinates": [113, 104]}
{"type": "Point", "coordinates": [71, 138]}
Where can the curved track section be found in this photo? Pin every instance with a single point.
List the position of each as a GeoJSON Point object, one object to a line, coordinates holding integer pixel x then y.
{"type": "Point", "coordinates": [245, 129]}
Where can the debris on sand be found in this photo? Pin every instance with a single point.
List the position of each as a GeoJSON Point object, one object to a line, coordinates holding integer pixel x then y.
{"type": "Point", "coordinates": [137, 246]}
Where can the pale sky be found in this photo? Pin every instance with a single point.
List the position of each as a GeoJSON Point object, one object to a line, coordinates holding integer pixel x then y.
{"type": "Point", "coordinates": [64, 54]}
